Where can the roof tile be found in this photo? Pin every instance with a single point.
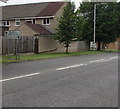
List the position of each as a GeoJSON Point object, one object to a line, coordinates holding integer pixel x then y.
{"type": "Point", "coordinates": [51, 9]}
{"type": "Point", "coordinates": [31, 10]}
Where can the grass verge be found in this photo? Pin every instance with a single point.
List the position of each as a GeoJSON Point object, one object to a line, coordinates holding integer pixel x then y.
{"type": "Point", "coordinates": [32, 57]}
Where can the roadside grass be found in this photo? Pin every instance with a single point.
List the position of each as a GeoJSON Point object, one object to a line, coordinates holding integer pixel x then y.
{"type": "Point", "coordinates": [32, 57]}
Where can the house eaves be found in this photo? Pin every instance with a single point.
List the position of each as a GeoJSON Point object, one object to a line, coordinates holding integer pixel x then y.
{"type": "Point", "coordinates": [34, 17]}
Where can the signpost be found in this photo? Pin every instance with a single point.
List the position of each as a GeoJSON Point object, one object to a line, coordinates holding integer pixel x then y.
{"type": "Point", "coordinates": [93, 46]}
{"type": "Point", "coordinates": [13, 34]}
{"type": "Point", "coordinates": [17, 36]}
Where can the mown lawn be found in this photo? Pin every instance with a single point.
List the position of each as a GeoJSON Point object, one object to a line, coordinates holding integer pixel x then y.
{"type": "Point", "coordinates": [31, 57]}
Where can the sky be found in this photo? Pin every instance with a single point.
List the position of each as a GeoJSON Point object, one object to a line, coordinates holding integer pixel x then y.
{"type": "Point", "coordinates": [13, 2]}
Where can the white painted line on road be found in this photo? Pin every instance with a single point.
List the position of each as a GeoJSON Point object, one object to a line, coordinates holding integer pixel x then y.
{"type": "Point", "coordinates": [73, 66]}
{"type": "Point", "coordinates": [96, 61]}
{"type": "Point", "coordinates": [113, 58]}
{"type": "Point", "coordinates": [103, 60]}
{"type": "Point", "coordinates": [18, 77]}
{"type": "Point", "coordinates": [79, 65]}
{"type": "Point", "coordinates": [58, 69]}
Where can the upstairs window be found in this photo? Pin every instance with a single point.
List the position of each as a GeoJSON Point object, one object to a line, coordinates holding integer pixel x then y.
{"type": "Point", "coordinates": [32, 21]}
{"type": "Point", "coordinates": [46, 21]}
{"type": "Point", "coordinates": [0, 23]}
{"type": "Point", "coordinates": [17, 22]}
{"type": "Point", "coordinates": [5, 23]}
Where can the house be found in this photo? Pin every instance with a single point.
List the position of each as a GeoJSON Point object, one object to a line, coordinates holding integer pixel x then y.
{"type": "Point", "coordinates": [3, 30]}
{"type": "Point", "coordinates": [114, 45]}
{"type": "Point", "coordinates": [39, 20]}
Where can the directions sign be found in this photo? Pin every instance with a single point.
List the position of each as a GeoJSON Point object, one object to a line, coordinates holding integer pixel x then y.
{"type": "Point", "coordinates": [92, 44]}
{"type": "Point", "coordinates": [13, 34]}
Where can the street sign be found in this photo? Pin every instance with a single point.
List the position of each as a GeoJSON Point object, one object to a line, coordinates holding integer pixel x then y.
{"type": "Point", "coordinates": [17, 36]}
{"type": "Point", "coordinates": [92, 45]}
{"type": "Point", "coordinates": [13, 34]}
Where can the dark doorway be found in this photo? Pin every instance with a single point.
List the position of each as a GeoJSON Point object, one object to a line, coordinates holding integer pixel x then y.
{"type": "Point", "coordinates": [36, 50]}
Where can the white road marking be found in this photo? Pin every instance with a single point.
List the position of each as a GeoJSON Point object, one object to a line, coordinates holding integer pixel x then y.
{"type": "Point", "coordinates": [63, 68]}
{"type": "Point", "coordinates": [97, 61]}
{"type": "Point", "coordinates": [90, 62]}
{"type": "Point", "coordinates": [113, 58]}
{"type": "Point", "coordinates": [103, 60]}
{"type": "Point", "coordinates": [18, 77]}
{"type": "Point", "coordinates": [73, 66]}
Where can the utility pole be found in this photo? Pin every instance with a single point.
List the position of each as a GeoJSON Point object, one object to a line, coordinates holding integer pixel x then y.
{"type": "Point", "coordinates": [95, 22]}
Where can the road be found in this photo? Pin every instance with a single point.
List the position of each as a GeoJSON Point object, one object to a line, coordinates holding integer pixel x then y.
{"type": "Point", "coordinates": [78, 81]}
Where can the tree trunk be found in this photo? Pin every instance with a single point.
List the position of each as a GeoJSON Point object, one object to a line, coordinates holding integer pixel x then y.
{"type": "Point", "coordinates": [67, 50]}
{"type": "Point", "coordinates": [67, 45]}
{"type": "Point", "coordinates": [99, 46]}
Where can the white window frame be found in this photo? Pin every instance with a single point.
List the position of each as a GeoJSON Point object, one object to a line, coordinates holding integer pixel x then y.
{"type": "Point", "coordinates": [30, 20]}
{"type": "Point", "coordinates": [17, 20]}
{"type": "Point", "coordinates": [9, 23]}
{"type": "Point", "coordinates": [5, 23]}
{"type": "Point", "coordinates": [35, 21]}
{"type": "Point", "coordinates": [0, 23]}
{"type": "Point", "coordinates": [46, 21]}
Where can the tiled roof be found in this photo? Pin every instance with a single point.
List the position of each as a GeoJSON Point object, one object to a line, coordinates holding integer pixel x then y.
{"type": "Point", "coordinates": [39, 29]}
{"type": "Point", "coordinates": [51, 9]}
{"type": "Point", "coordinates": [31, 10]}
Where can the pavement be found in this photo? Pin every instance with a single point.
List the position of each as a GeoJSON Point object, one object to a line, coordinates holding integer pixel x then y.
{"type": "Point", "coordinates": [78, 81]}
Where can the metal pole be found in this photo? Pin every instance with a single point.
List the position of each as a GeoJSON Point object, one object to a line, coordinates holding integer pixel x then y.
{"type": "Point", "coordinates": [8, 48]}
{"type": "Point", "coordinates": [94, 25]}
{"type": "Point", "coordinates": [18, 47]}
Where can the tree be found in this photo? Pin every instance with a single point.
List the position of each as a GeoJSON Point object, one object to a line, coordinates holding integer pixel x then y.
{"type": "Point", "coordinates": [117, 8]}
{"type": "Point", "coordinates": [85, 21]}
{"type": "Point", "coordinates": [66, 30]}
{"type": "Point", "coordinates": [106, 22]}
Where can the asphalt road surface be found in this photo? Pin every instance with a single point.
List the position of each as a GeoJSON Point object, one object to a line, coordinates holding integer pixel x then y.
{"type": "Point", "coordinates": [79, 81]}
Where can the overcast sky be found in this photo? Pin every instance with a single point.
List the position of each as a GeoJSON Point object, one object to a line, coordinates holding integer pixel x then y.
{"type": "Point", "coordinates": [12, 2]}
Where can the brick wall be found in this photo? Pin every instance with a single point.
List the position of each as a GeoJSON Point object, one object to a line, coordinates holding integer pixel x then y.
{"type": "Point", "coordinates": [114, 45]}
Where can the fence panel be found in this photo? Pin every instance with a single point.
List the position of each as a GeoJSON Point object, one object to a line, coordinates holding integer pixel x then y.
{"type": "Point", "coordinates": [26, 45]}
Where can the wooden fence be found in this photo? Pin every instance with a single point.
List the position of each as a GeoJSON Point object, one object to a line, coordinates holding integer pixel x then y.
{"type": "Point", "coordinates": [24, 45]}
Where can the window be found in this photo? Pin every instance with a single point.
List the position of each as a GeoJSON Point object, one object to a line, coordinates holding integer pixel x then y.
{"type": "Point", "coordinates": [17, 22]}
{"type": "Point", "coordinates": [46, 21]}
{"type": "Point", "coordinates": [0, 23]}
{"type": "Point", "coordinates": [5, 23]}
{"type": "Point", "coordinates": [32, 21]}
